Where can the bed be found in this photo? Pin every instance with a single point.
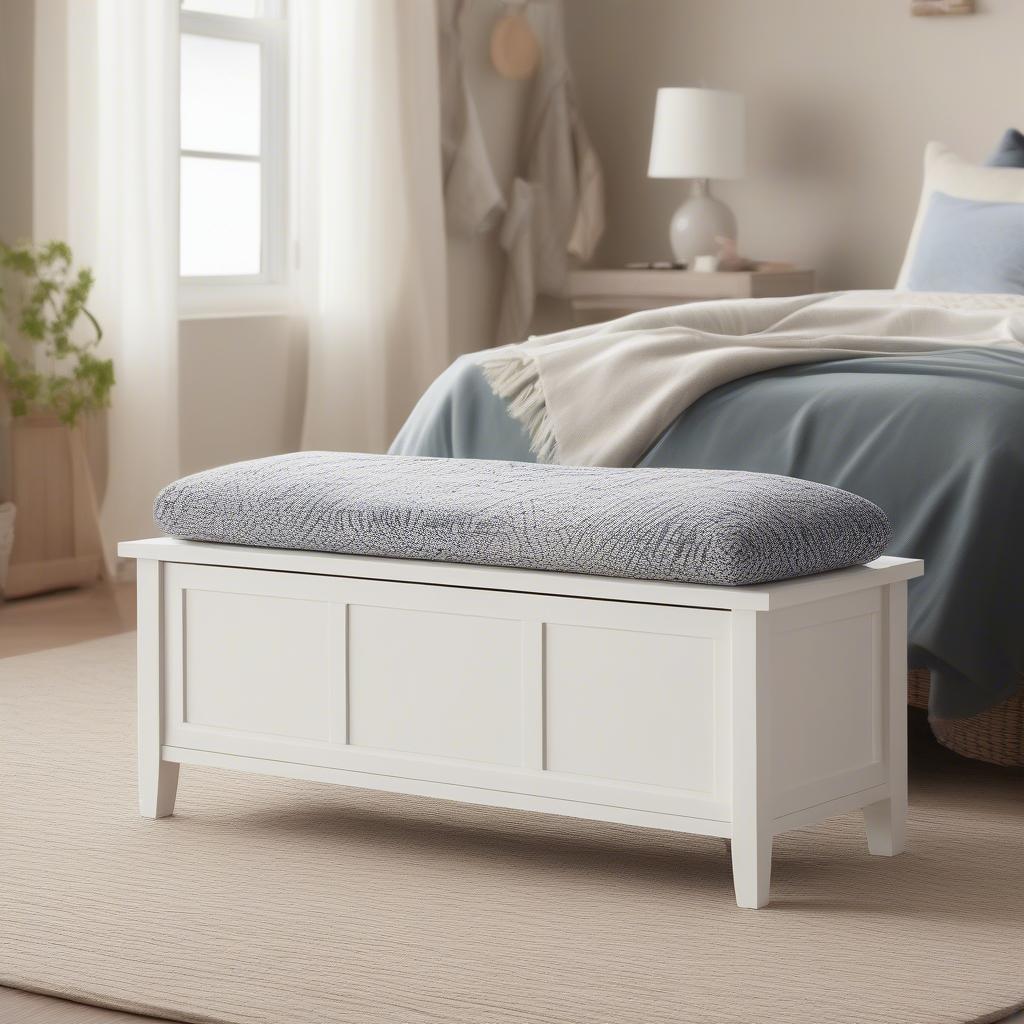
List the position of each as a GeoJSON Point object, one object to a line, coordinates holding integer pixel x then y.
{"type": "Point", "coordinates": [932, 434]}
{"type": "Point", "coordinates": [933, 437]}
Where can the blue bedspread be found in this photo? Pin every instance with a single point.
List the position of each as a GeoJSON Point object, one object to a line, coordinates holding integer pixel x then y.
{"type": "Point", "coordinates": [936, 440]}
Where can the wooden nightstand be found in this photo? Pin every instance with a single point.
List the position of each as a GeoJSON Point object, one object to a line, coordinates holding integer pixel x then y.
{"type": "Point", "coordinates": [600, 294]}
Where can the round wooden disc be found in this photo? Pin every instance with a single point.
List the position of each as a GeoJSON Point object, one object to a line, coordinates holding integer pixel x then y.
{"type": "Point", "coordinates": [515, 48]}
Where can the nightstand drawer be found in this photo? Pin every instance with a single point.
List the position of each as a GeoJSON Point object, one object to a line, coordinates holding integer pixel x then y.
{"type": "Point", "coordinates": [592, 291]}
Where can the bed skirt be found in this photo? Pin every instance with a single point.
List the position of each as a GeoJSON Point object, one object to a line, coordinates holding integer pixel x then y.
{"type": "Point", "coordinates": [995, 736]}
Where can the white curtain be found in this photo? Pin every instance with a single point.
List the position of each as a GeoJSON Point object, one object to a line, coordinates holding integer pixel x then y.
{"type": "Point", "coordinates": [369, 214]}
{"type": "Point", "coordinates": [106, 179]}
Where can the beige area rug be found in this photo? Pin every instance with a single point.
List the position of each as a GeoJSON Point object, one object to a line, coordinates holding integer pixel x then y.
{"type": "Point", "coordinates": [295, 903]}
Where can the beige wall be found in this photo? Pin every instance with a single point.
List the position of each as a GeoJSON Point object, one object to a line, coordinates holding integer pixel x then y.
{"type": "Point", "coordinates": [242, 388]}
{"type": "Point", "coordinates": [842, 96]}
{"type": "Point", "coordinates": [15, 119]}
{"type": "Point", "coordinates": [16, 30]}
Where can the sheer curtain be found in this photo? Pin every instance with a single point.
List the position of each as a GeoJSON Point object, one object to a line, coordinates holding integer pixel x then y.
{"type": "Point", "coordinates": [369, 214]}
{"type": "Point", "coordinates": [366, 207]}
{"type": "Point", "coordinates": [106, 179]}
{"type": "Point", "coordinates": [137, 251]}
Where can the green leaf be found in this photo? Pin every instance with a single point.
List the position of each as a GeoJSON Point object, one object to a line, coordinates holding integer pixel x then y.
{"type": "Point", "coordinates": [46, 307]}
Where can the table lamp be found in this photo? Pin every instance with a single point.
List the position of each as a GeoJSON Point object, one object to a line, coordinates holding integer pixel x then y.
{"type": "Point", "coordinates": [698, 134]}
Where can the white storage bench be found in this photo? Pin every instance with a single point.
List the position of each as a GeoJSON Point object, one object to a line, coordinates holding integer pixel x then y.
{"type": "Point", "coordinates": [739, 712]}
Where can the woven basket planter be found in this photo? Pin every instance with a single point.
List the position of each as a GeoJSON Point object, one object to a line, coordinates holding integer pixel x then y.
{"type": "Point", "coordinates": [57, 540]}
{"type": "Point", "coordinates": [995, 736]}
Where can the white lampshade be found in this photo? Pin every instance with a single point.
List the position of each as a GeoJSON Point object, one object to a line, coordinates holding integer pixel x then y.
{"type": "Point", "coordinates": [698, 133]}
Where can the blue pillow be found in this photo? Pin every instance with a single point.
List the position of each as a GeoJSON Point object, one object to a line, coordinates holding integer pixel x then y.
{"type": "Point", "coordinates": [1009, 152]}
{"type": "Point", "coordinates": [969, 246]}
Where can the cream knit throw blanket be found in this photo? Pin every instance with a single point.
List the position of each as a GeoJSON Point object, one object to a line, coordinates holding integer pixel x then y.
{"type": "Point", "coordinates": [601, 395]}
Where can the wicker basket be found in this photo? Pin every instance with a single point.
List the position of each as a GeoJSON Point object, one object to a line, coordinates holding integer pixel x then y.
{"type": "Point", "coordinates": [995, 736]}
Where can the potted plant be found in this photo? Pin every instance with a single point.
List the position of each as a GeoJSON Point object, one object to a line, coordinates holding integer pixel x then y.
{"type": "Point", "coordinates": [52, 376]}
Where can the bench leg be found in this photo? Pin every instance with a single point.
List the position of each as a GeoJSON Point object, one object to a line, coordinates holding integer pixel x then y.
{"type": "Point", "coordinates": [752, 868]}
{"type": "Point", "coordinates": [886, 820]}
{"type": "Point", "coordinates": [158, 786]}
{"type": "Point", "coordinates": [886, 826]}
{"type": "Point", "coordinates": [158, 779]}
{"type": "Point", "coordinates": [751, 789]}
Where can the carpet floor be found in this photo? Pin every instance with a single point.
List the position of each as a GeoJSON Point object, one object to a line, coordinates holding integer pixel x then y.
{"type": "Point", "coordinates": [266, 901]}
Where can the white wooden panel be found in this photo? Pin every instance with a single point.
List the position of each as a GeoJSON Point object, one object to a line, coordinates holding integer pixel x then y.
{"type": "Point", "coordinates": [819, 812]}
{"type": "Point", "coordinates": [337, 672]}
{"type": "Point", "coordinates": [741, 723]}
{"type": "Point", "coordinates": [533, 695]}
{"type": "Point", "coordinates": [483, 577]}
{"type": "Point", "coordinates": [752, 686]}
{"type": "Point", "coordinates": [526, 799]}
{"type": "Point", "coordinates": [157, 778]}
{"type": "Point", "coordinates": [826, 705]}
{"type": "Point", "coordinates": [886, 820]}
{"type": "Point", "coordinates": [256, 663]}
{"type": "Point", "coordinates": [525, 614]}
{"type": "Point", "coordinates": [436, 683]}
{"type": "Point", "coordinates": [634, 706]}
{"type": "Point", "coordinates": [450, 771]}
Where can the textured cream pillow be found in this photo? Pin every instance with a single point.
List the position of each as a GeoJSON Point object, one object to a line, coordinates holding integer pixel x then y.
{"type": "Point", "coordinates": [944, 171]}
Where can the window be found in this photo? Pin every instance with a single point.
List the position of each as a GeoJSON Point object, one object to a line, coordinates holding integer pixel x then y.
{"type": "Point", "coordinates": [233, 198]}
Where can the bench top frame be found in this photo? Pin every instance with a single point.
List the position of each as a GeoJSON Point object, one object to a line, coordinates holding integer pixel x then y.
{"type": "Point", "coordinates": [763, 597]}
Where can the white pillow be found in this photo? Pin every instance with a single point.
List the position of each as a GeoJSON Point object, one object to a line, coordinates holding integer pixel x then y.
{"type": "Point", "coordinates": [944, 171]}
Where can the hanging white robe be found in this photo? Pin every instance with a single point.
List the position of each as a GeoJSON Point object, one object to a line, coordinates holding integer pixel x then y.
{"type": "Point", "coordinates": [557, 205]}
{"type": "Point", "coordinates": [472, 197]}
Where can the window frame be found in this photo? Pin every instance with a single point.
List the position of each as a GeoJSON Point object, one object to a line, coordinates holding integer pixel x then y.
{"type": "Point", "coordinates": [267, 291]}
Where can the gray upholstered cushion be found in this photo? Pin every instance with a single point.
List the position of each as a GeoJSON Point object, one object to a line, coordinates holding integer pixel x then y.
{"type": "Point", "coordinates": [686, 525]}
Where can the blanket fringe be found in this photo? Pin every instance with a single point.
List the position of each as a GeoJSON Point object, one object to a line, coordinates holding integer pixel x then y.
{"type": "Point", "coordinates": [515, 377]}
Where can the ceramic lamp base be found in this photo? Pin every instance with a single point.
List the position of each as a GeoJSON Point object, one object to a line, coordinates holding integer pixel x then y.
{"type": "Point", "coordinates": [698, 223]}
